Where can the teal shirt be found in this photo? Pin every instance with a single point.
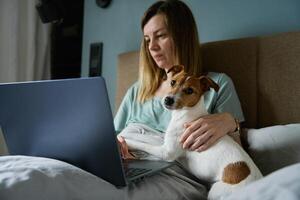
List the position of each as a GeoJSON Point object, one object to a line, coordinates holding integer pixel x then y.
{"type": "Point", "coordinates": [153, 114]}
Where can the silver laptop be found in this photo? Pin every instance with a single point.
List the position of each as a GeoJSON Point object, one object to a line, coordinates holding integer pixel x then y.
{"type": "Point", "coordinates": [68, 120]}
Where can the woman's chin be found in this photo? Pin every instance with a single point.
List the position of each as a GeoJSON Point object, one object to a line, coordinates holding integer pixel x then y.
{"type": "Point", "coordinates": [164, 66]}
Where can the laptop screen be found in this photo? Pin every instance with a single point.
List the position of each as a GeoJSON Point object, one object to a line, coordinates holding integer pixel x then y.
{"type": "Point", "coordinates": [68, 120]}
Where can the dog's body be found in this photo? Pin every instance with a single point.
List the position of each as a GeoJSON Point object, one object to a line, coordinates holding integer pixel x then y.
{"type": "Point", "coordinates": [225, 164]}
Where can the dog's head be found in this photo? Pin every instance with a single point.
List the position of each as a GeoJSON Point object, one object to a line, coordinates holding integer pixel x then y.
{"type": "Point", "coordinates": [186, 91]}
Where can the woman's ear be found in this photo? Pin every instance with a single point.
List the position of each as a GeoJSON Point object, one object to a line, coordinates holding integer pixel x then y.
{"type": "Point", "coordinates": [206, 83]}
{"type": "Point", "coordinates": [176, 69]}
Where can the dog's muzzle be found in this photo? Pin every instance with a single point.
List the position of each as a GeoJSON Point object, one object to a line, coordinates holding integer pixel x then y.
{"type": "Point", "coordinates": [169, 101]}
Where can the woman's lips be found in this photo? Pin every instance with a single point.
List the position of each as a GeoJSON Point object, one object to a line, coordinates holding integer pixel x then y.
{"type": "Point", "coordinates": [158, 57]}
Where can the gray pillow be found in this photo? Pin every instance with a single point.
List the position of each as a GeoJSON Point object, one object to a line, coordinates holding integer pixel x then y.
{"type": "Point", "coordinates": [274, 147]}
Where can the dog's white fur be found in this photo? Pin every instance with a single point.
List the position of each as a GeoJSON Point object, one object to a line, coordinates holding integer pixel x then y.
{"type": "Point", "coordinates": [207, 165]}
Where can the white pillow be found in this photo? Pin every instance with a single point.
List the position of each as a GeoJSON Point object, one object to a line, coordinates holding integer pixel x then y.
{"type": "Point", "coordinates": [274, 147]}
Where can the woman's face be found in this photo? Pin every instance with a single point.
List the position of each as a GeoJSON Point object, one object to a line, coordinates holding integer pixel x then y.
{"type": "Point", "coordinates": [159, 42]}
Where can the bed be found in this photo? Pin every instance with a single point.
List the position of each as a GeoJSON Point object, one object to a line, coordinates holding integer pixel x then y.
{"type": "Point", "coordinates": [265, 71]}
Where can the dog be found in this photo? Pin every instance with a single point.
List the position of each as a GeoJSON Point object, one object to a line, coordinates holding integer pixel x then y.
{"type": "Point", "coordinates": [225, 164]}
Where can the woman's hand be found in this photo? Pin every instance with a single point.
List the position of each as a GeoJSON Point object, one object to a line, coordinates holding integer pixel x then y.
{"type": "Point", "coordinates": [202, 133]}
{"type": "Point", "coordinates": [124, 148]}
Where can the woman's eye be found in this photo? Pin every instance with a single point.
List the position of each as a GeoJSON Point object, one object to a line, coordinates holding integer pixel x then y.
{"type": "Point", "coordinates": [173, 82]}
{"type": "Point", "coordinates": [189, 91]}
{"type": "Point", "coordinates": [161, 35]}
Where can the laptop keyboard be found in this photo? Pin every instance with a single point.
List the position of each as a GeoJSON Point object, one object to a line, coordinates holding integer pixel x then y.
{"type": "Point", "coordinates": [132, 172]}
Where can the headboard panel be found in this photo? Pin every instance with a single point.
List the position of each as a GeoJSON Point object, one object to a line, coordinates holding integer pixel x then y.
{"type": "Point", "coordinates": [238, 59]}
{"type": "Point", "coordinates": [279, 79]}
{"type": "Point", "coordinates": [265, 71]}
{"type": "Point", "coordinates": [127, 74]}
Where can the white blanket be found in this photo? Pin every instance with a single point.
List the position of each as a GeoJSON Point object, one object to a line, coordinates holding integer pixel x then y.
{"type": "Point", "coordinates": [34, 178]}
{"type": "Point", "coordinates": [281, 184]}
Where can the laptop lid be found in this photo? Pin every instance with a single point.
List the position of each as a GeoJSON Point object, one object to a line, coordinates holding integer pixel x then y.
{"type": "Point", "coordinates": [68, 120]}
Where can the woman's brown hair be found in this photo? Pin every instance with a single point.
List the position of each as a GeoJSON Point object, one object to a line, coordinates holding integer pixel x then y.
{"type": "Point", "coordinates": [182, 27]}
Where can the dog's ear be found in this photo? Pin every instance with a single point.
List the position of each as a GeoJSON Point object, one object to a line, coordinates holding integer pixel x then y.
{"type": "Point", "coordinates": [176, 69]}
{"type": "Point", "coordinates": [206, 83]}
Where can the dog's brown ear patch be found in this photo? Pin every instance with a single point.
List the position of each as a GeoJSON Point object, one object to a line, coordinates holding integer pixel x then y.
{"type": "Point", "coordinates": [176, 69]}
{"type": "Point", "coordinates": [207, 83]}
{"type": "Point", "coordinates": [235, 172]}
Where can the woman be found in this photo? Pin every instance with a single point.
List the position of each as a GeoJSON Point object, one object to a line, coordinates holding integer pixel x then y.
{"type": "Point", "coordinates": [170, 38]}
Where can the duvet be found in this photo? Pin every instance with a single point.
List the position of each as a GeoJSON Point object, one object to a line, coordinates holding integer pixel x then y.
{"type": "Point", "coordinates": [281, 184]}
{"type": "Point", "coordinates": [35, 178]}
{"type": "Point", "coordinates": [23, 177]}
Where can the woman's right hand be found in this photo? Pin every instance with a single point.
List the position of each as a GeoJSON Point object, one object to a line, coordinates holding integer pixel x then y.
{"type": "Point", "coordinates": [124, 148]}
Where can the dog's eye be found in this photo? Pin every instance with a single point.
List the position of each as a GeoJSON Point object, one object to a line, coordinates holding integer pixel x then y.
{"type": "Point", "coordinates": [173, 83]}
{"type": "Point", "coordinates": [189, 90]}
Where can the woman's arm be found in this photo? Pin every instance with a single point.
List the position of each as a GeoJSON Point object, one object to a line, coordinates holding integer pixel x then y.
{"type": "Point", "coordinates": [124, 112]}
{"type": "Point", "coordinates": [236, 134]}
{"type": "Point", "coordinates": [205, 131]}
{"type": "Point", "coordinates": [121, 119]}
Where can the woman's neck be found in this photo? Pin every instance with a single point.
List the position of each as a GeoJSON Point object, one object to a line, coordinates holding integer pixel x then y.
{"type": "Point", "coordinates": [163, 89]}
{"type": "Point", "coordinates": [164, 86]}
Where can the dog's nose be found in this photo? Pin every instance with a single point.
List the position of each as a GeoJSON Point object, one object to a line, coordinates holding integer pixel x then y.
{"type": "Point", "coordinates": [169, 101]}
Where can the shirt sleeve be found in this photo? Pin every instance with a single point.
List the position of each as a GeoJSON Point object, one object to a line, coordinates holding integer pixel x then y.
{"type": "Point", "coordinates": [227, 99]}
{"type": "Point", "coordinates": [124, 111]}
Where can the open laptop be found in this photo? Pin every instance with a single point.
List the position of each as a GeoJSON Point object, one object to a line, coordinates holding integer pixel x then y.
{"type": "Point", "coordinates": [68, 120]}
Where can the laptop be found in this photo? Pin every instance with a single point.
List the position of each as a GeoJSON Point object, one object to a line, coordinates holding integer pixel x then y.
{"type": "Point", "coordinates": [68, 120]}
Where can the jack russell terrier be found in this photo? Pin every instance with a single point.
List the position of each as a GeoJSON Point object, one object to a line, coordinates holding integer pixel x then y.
{"type": "Point", "coordinates": [225, 164]}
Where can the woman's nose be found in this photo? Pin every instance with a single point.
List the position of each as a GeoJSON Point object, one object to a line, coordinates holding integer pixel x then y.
{"type": "Point", "coordinates": [153, 45]}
